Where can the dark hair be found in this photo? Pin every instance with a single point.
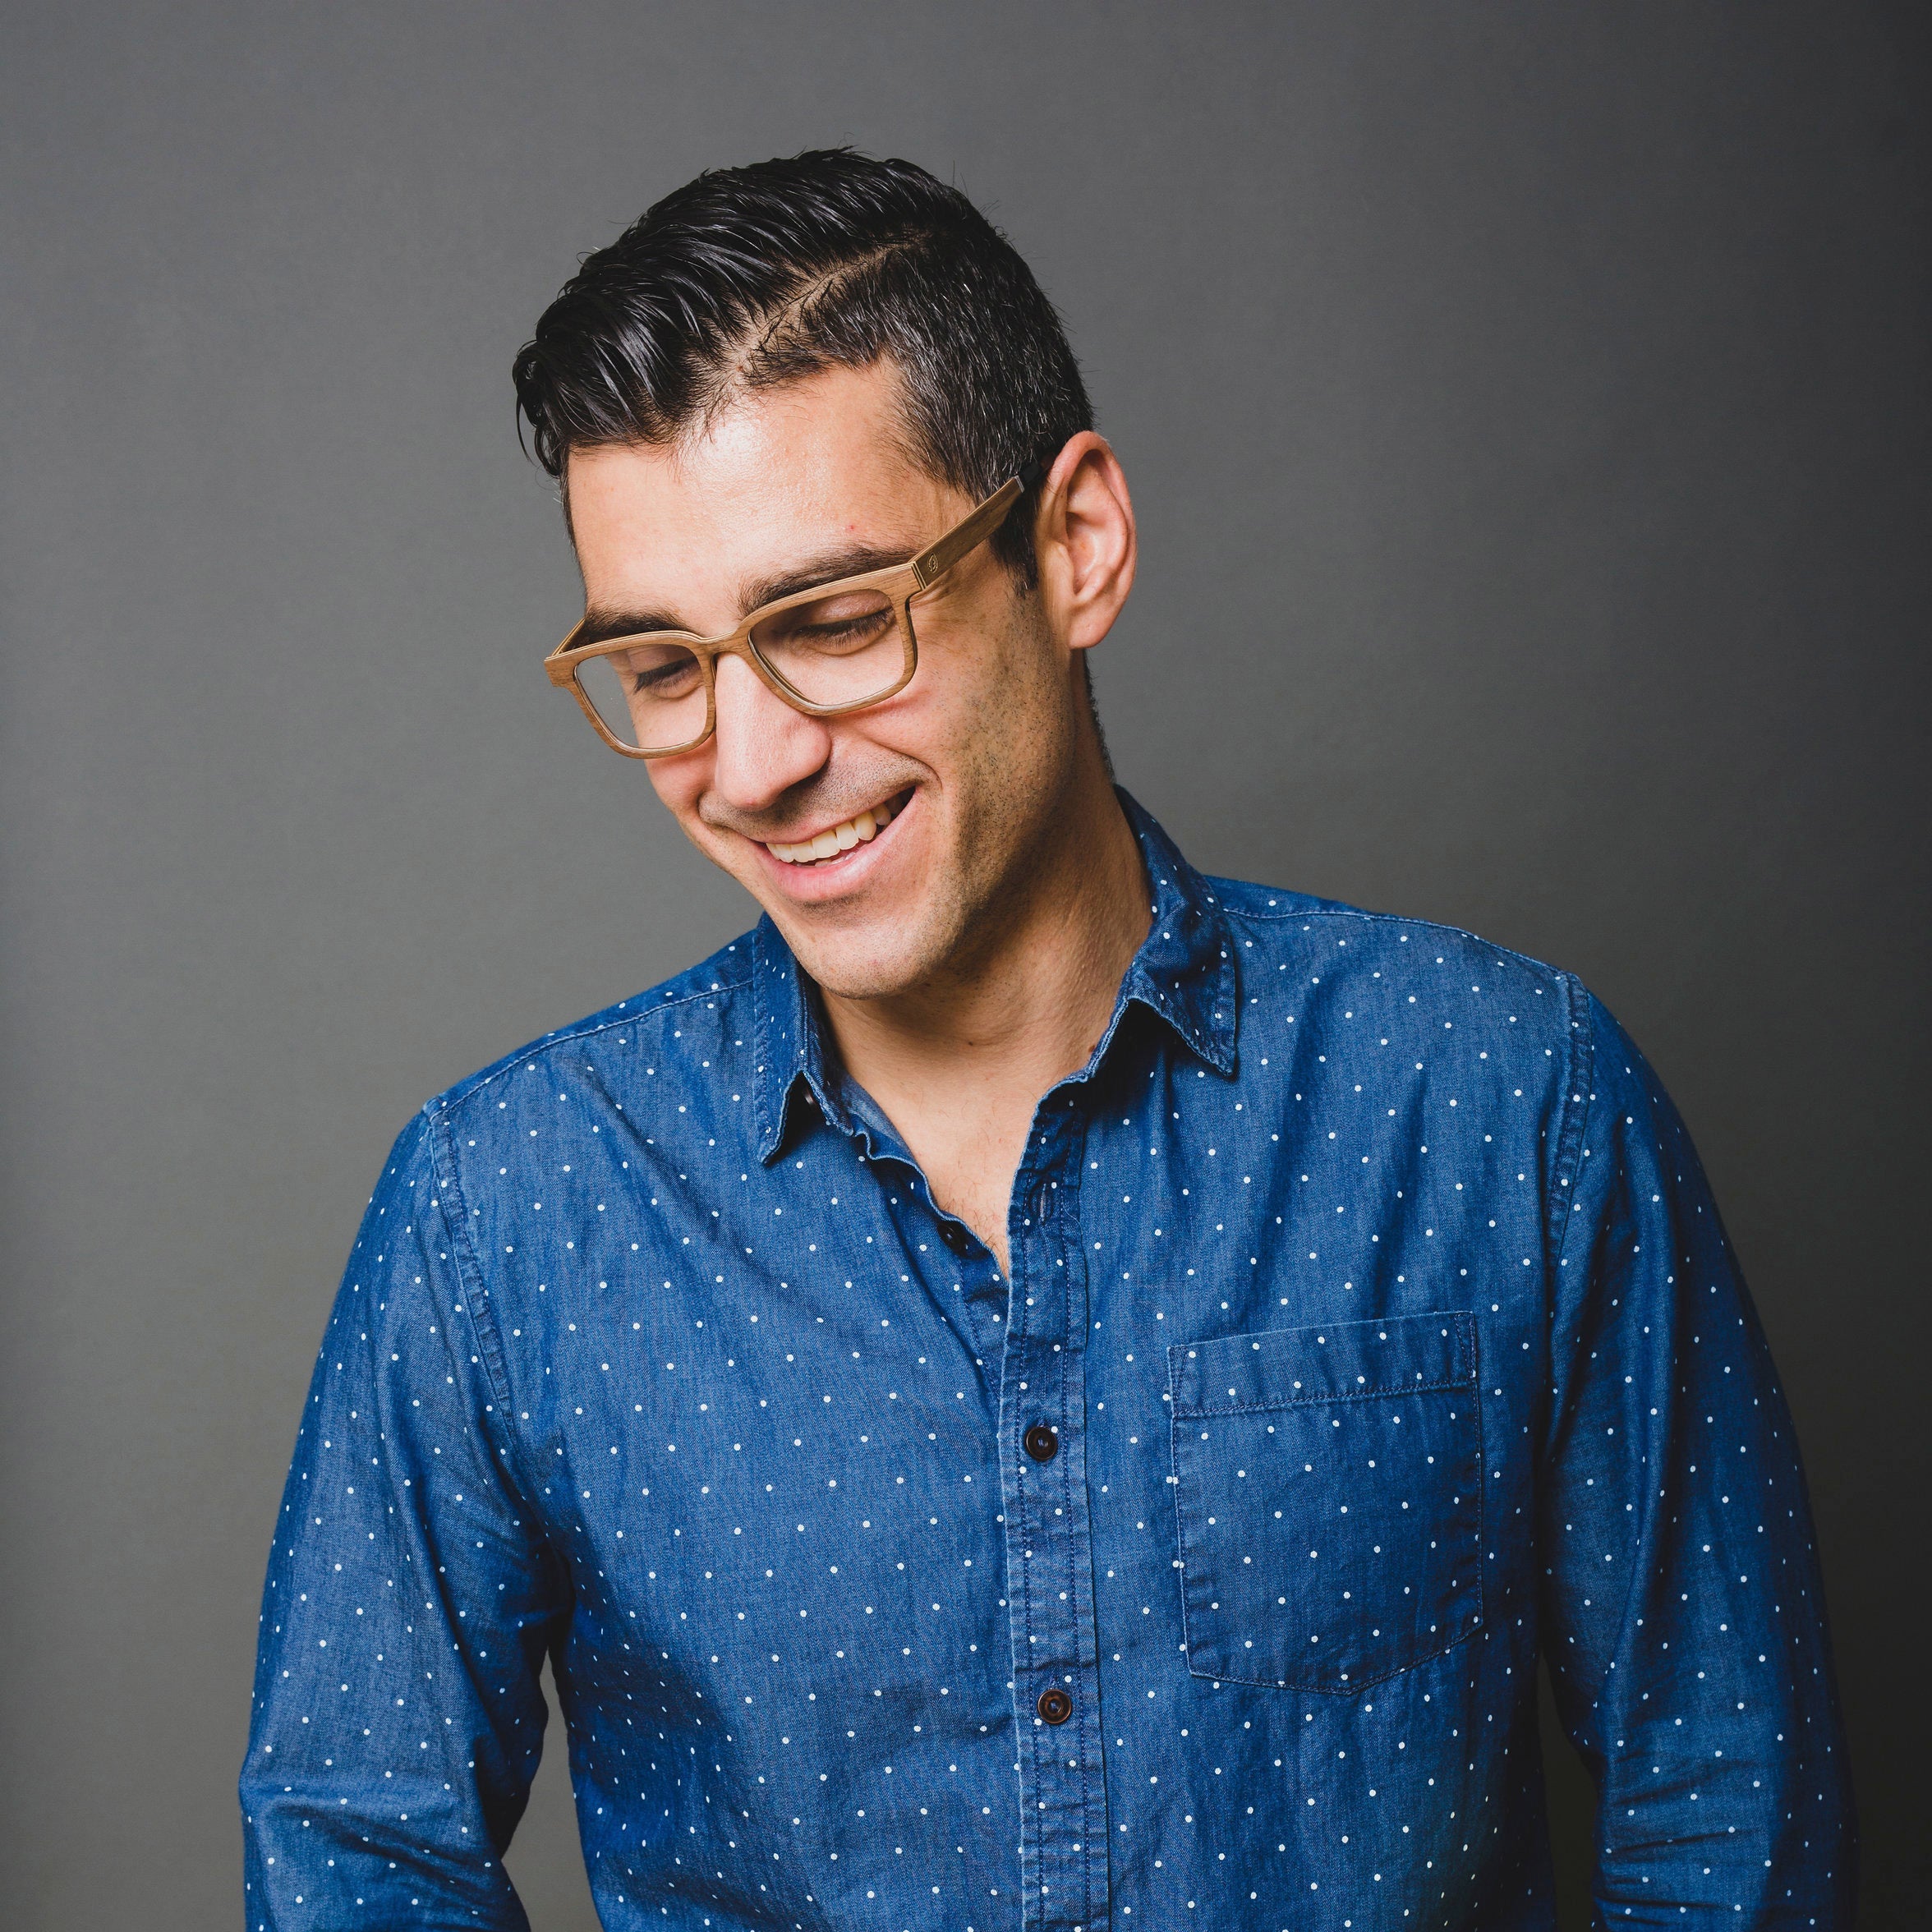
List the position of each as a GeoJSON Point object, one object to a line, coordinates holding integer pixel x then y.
{"type": "Point", "coordinates": [749, 277]}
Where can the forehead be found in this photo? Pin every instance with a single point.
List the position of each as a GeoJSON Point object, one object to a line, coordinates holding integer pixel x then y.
{"type": "Point", "coordinates": [779, 476]}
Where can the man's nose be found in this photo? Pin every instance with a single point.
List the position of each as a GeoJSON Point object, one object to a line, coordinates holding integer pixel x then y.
{"type": "Point", "coordinates": [763, 748]}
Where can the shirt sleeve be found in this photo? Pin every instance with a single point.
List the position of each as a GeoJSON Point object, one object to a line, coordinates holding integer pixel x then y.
{"type": "Point", "coordinates": [1683, 1619]}
{"type": "Point", "coordinates": [397, 1715]}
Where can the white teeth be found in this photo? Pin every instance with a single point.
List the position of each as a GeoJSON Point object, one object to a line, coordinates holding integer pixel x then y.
{"type": "Point", "coordinates": [841, 838]}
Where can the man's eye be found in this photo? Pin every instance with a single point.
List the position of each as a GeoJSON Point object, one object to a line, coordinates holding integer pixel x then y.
{"type": "Point", "coordinates": [660, 673]}
{"type": "Point", "coordinates": [844, 631]}
{"type": "Point", "coordinates": [842, 623]}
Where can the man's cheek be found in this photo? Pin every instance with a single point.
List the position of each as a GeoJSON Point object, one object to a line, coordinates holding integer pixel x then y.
{"type": "Point", "coordinates": [679, 789]}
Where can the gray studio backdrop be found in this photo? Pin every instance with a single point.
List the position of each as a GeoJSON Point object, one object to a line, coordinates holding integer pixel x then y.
{"type": "Point", "coordinates": [1527, 408]}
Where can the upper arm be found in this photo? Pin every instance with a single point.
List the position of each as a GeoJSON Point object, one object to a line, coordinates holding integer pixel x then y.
{"type": "Point", "coordinates": [410, 1593]}
{"type": "Point", "coordinates": [1682, 1614]}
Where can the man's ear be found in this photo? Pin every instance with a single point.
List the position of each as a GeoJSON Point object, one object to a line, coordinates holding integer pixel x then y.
{"type": "Point", "coordinates": [1083, 535]}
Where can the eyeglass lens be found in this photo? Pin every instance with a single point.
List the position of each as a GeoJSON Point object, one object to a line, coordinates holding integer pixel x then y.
{"type": "Point", "coordinates": [843, 649]}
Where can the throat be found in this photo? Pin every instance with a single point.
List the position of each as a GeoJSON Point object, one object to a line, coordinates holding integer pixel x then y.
{"type": "Point", "coordinates": [971, 1172]}
{"type": "Point", "coordinates": [960, 1064]}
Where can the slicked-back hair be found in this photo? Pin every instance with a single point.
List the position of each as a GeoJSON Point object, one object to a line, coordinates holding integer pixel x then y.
{"type": "Point", "coordinates": [748, 277]}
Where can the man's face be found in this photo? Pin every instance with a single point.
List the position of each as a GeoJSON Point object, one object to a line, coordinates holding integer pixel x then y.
{"type": "Point", "coordinates": [809, 482]}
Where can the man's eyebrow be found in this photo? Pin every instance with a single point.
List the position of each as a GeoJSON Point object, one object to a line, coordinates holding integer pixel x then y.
{"type": "Point", "coordinates": [855, 560]}
{"type": "Point", "coordinates": [603, 621]}
{"type": "Point", "coordinates": [600, 625]}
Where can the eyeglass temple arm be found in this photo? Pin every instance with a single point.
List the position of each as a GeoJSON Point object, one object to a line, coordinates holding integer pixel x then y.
{"type": "Point", "coordinates": [929, 565]}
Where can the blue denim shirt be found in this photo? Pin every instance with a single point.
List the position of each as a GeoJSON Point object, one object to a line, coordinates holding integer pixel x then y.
{"type": "Point", "coordinates": [1371, 1329]}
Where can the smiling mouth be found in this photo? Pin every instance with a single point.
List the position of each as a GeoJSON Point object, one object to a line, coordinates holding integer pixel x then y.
{"type": "Point", "coordinates": [824, 847]}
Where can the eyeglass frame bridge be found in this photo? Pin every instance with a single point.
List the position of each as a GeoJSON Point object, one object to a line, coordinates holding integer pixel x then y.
{"type": "Point", "coordinates": [901, 582]}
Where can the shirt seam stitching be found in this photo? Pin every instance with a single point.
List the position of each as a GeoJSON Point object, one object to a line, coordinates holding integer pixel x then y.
{"type": "Point", "coordinates": [451, 1103]}
{"type": "Point", "coordinates": [478, 1306]}
{"type": "Point", "coordinates": [1542, 968]}
{"type": "Point", "coordinates": [1584, 1035]}
{"type": "Point", "coordinates": [1468, 1380]}
{"type": "Point", "coordinates": [1578, 1055]}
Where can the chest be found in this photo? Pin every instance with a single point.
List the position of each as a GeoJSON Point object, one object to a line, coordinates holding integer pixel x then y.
{"type": "Point", "coordinates": [742, 1344]}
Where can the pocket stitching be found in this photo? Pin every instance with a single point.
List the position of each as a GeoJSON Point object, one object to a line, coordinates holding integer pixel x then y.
{"type": "Point", "coordinates": [1369, 1394]}
{"type": "Point", "coordinates": [1472, 1380]}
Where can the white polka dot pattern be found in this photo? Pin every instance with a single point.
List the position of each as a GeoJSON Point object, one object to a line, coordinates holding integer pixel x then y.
{"type": "Point", "coordinates": [1370, 1327]}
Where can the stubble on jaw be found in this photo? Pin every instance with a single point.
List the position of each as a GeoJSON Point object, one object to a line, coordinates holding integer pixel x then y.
{"type": "Point", "coordinates": [1007, 785]}
{"type": "Point", "coordinates": [1007, 763]}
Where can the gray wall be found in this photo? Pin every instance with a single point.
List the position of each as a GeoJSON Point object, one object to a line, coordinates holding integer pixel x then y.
{"type": "Point", "coordinates": [1528, 411]}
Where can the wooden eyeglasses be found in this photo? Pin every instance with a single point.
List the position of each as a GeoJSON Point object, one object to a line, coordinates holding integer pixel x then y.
{"type": "Point", "coordinates": [835, 648]}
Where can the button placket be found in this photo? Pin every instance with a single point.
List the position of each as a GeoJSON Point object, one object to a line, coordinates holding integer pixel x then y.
{"type": "Point", "coordinates": [1050, 1563]}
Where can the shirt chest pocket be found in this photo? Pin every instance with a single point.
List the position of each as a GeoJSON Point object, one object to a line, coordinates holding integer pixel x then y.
{"type": "Point", "coordinates": [1328, 1485]}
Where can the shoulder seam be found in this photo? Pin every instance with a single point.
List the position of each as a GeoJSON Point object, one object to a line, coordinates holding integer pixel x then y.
{"type": "Point", "coordinates": [1541, 967]}
{"type": "Point", "coordinates": [460, 1095]}
{"type": "Point", "coordinates": [475, 1292]}
{"type": "Point", "coordinates": [1577, 1072]}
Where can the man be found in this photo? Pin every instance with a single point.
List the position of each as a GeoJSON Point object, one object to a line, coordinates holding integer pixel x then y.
{"type": "Point", "coordinates": [1035, 1389]}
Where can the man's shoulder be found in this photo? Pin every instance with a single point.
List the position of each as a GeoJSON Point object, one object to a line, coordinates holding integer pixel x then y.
{"type": "Point", "coordinates": [662, 1014]}
{"type": "Point", "coordinates": [1311, 941]}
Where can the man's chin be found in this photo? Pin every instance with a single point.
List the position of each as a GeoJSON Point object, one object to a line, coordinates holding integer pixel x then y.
{"type": "Point", "coordinates": [870, 959]}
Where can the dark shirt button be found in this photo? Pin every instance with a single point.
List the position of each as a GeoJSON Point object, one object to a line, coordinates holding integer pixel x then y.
{"type": "Point", "coordinates": [1043, 1445]}
{"type": "Point", "coordinates": [1055, 1706]}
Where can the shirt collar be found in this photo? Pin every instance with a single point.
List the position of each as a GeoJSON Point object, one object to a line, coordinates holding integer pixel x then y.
{"type": "Point", "coordinates": [1183, 972]}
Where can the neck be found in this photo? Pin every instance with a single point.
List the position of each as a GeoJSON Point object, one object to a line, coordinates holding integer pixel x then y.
{"type": "Point", "coordinates": [959, 1063]}
{"type": "Point", "coordinates": [1027, 1006]}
